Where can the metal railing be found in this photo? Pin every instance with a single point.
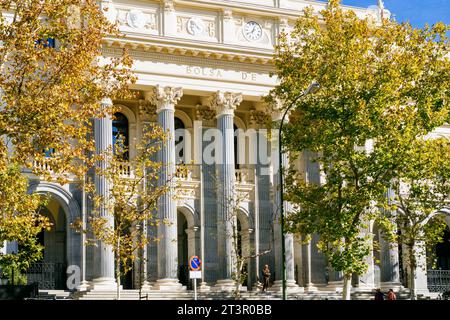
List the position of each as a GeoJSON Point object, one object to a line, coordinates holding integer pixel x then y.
{"type": "Point", "coordinates": [48, 275]}
{"type": "Point", "coordinates": [438, 280]}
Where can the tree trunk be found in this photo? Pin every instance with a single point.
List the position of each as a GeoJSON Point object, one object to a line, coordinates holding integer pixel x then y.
{"type": "Point", "coordinates": [346, 290]}
{"type": "Point", "coordinates": [412, 274]}
{"type": "Point", "coordinates": [118, 269]}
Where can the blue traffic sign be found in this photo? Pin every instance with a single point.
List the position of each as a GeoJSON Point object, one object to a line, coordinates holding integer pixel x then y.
{"type": "Point", "coordinates": [195, 263]}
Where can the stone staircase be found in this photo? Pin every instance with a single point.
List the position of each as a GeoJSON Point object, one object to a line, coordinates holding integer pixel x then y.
{"type": "Point", "coordinates": [210, 295]}
{"type": "Point", "coordinates": [54, 295]}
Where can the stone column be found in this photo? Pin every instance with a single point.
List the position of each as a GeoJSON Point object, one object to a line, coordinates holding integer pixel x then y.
{"type": "Point", "coordinates": [390, 267]}
{"type": "Point", "coordinates": [104, 256]}
{"type": "Point", "coordinates": [224, 103]}
{"type": "Point", "coordinates": [389, 259]}
{"type": "Point", "coordinates": [288, 238]}
{"type": "Point", "coordinates": [165, 99]}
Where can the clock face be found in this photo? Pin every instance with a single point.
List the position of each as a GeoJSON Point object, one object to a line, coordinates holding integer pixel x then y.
{"type": "Point", "coordinates": [252, 31]}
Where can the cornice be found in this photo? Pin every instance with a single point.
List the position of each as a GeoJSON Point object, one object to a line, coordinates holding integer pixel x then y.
{"type": "Point", "coordinates": [201, 49]}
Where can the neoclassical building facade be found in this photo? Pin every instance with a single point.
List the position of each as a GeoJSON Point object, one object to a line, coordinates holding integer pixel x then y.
{"type": "Point", "coordinates": [202, 65]}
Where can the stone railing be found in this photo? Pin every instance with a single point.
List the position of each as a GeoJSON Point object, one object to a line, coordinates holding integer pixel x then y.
{"type": "Point", "coordinates": [188, 172]}
{"type": "Point", "coordinates": [42, 166]}
{"type": "Point", "coordinates": [245, 176]}
{"type": "Point", "coordinates": [124, 169]}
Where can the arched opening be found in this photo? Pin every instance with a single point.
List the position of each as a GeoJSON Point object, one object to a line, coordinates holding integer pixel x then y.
{"type": "Point", "coordinates": [243, 246]}
{"type": "Point", "coordinates": [179, 140]}
{"type": "Point", "coordinates": [50, 271]}
{"type": "Point", "coordinates": [236, 147]}
{"type": "Point", "coordinates": [376, 256]}
{"type": "Point", "coordinates": [183, 254]}
{"type": "Point", "coordinates": [442, 251]}
{"type": "Point", "coordinates": [120, 129]}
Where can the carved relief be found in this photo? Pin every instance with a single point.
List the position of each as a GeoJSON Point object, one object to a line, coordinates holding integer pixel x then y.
{"type": "Point", "coordinates": [259, 119]}
{"type": "Point", "coordinates": [204, 114]}
{"type": "Point", "coordinates": [196, 26]}
{"type": "Point", "coordinates": [137, 19]}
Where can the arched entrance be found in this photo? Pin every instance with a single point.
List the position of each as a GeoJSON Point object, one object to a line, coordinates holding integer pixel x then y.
{"type": "Point", "coordinates": [244, 250]}
{"type": "Point", "coordinates": [187, 239]}
{"type": "Point", "coordinates": [183, 268]}
{"type": "Point", "coordinates": [50, 272]}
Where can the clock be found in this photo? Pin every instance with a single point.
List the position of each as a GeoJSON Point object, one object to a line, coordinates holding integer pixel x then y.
{"type": "Point", "coordinates": [252, 31]}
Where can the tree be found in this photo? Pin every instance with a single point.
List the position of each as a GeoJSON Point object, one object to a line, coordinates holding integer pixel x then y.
{"type": "Point", "coordinates": [52, 80]}
{"type": "Point", "coordinates": [20, 221]}
{"type": "Point", "coordinates": [382, 86]}
{"type": "Point", "coordinates": [131, 201]}
{"type": "Point", "coordinates": [241, 252]}
{"type": "Point", "coordinates": [422, 191]}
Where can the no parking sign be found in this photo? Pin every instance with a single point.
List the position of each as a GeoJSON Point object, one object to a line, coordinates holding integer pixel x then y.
{"type": "Point", "coordinates": [195, 263]}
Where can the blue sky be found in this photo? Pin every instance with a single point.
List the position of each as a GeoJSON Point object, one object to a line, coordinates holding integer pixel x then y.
{"type": "Point", "coordinates": [417, 12]}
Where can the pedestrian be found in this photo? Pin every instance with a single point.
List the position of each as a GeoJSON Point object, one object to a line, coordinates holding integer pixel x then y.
{"type": "Point", "coordinates": [266, 277]}
{"type": "Point", "coordinates": [379, 295]}
{"type": "Point", "coordinates": [391, 295]}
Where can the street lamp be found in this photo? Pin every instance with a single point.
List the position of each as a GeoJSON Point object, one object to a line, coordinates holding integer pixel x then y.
{"type": "Point", "coordinates": [313, 87]}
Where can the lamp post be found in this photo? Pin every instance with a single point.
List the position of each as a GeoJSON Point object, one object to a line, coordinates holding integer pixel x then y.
{"type": "Point", "coordinates": [314, 86]}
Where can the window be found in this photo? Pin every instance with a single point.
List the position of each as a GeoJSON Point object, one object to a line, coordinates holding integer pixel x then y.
{"type": "Point", "coordinates": [46, 43]}
{"type": "Point", "coordinates": [120, 129]}
{"type": "Point", "coordinates": [179, 140]}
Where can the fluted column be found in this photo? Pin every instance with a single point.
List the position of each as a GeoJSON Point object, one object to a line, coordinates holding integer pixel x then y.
{"type": "Point", "coordinates": [165, 99]}
{"type": "Point", "coordinates": [390, 268]}
{"type": "Point", "coordinates": [389, 259]}
{"type": "Point", "coordinates": [288, 238]}
{"type": "Point", "coordinates": [224, 103]}
{"type": "Point", "coordinates": [104, 256]}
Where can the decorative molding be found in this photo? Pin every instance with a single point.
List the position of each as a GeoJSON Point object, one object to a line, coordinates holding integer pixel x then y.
{"type": "Point", "coordinates": [168, 6]}
{"type": "Point", "coordinates": [204, 113]}
{"type": "Point", "coordinates": [224, 103]}
{"type": "Point", "coordinates": [258, 119]}
{"type": "Point", "coordinates": [147, 109]}
{"type": "Point", "coordinates": [275, 110]}
{"type": "Point", "coordinates": [137, 19]}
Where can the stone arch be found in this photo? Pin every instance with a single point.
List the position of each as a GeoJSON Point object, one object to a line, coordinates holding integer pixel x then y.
{"type": "Point", "coordinates": [183, 116]}
{"type": "Point", "coordinates": [132, 125]}
{"type": "Point", "coordinates": [187, 240]}
{"type": "Point", "coordinates": [246, 230]}
{"type": "Point", "coordinates": [239, 123]}
{"type": "Point", "coordinates": [127, 112]}
{"type": "Point", "coordinates": [72, 212]}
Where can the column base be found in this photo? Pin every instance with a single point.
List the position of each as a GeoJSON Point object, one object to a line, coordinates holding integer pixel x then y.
{"type": "Point", "coordinates": [310, 288]}
{"type": "Point", "coordinates": [257, 286]}
{"type": "Point", "coordinates": [394, 285]}
{"type": "Point", "coordinates": [335, 286]}
{"type": "Point", "coordinates": [84, 286]}
{"type": "Point", "coordinates": [291, 286]}
{"type": "Point", "coordinates": [203, 287]}
{"type": "Point", "coordinates": [104, 284]}
{"type": "Point", "coordinates": [168, 285]}
{"type": "Point", "coordinates": [224, 285]}
{"type": "Point", "coordinates": [146, 286]}
{"type": "Point", "coordinates": [363, 287]}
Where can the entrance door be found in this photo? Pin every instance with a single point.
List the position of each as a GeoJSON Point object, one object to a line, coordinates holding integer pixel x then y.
{"type": "Point", "coordinates": [50, 272]}
{"type": "Point", "coordinates": [183, 268]}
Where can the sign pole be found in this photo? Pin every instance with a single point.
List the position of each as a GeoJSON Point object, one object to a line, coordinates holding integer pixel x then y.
{"type": "Point", "coordinates": [195, 288]}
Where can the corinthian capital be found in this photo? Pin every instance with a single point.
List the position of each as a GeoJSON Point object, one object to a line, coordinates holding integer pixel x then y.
{"type": "Point", "coordinates": [275, 109]}
{"type": "Point", "coordinates": [164, 98]}
{"type": "Point", "coordinates": [225, 102]}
